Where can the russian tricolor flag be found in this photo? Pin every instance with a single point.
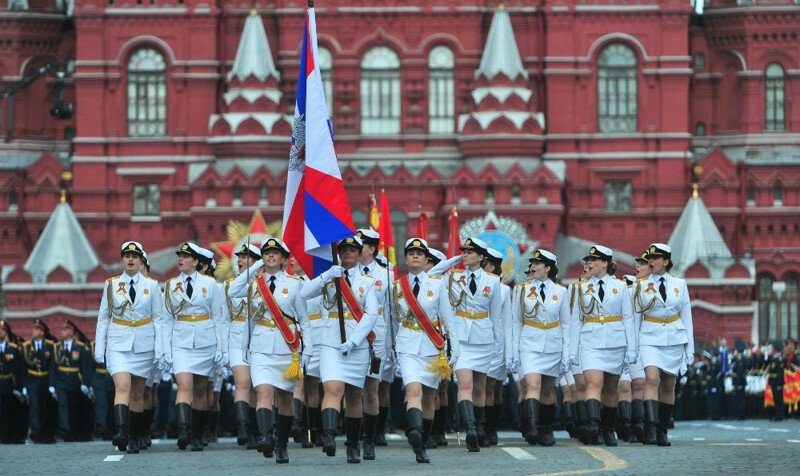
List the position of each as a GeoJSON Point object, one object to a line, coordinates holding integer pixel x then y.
{"type": "Point", "coordinates": [316, 212]}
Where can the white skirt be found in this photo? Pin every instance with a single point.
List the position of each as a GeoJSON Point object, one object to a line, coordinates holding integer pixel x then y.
{"type": "Point", "coordinates": [351, 368]}
{"type": "Point", "coordinates": [475, 357]}
{"type": "Point", "coordinates": [540, 363]}
{"type": "Point", "coordinates": [138, 364]}
{"type": "Point", "coordinates": [236, 357]}
{"type": "Point", "coordinates": [633, 371]}
{"type": "Point", "coordinates": [268, 369]}
{"type": "Point", "coordinates": [312, 369]}
{"type": "Point", "coordinates": [414, 368]}
{"type": "Point", "coordinates": [576, 369]}
{"type": "Point", "coordinates": [194, 361]}
{"type": "Point", "coordinates": [566, 379]}
{"type": "Point", "coordinates": [607, 360]}
{"type": "Point", "coordinates": [667, 358]}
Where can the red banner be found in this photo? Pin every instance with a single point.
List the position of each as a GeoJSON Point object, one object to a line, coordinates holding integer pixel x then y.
{"type": "Point", "coordinates": [277, 315]}
{"type": "Point", "coordinates": [419, 314]}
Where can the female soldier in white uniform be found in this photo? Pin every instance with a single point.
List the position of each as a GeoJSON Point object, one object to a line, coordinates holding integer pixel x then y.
{"type": "Point", "coordinates": [630, 424]}
{"type": "Point", "coordinates": [476, 298]}
{"type": "Point", "coordinates": [666, 339]}
{"type": "Point", "coordinates": [279, 313]}
{"type": "Point", "coordinates": [497, 373]}
{"type": "Point", "coordinates": [376, 387]}
{"type": "Point", "coordinates": [129, 340]}
{"type": "Point", "coordinates": [541, 342]}
{"type": "Point", "coordinates": [423, 310]}
{"type": "Point", "coordinates": [193, 341]}
{"type": "Point", "coordinates": [344, 366]}
{"type": "Point", "coordinates": [237, 344]}
{"type": "Point", "coordinates": [602, 341]}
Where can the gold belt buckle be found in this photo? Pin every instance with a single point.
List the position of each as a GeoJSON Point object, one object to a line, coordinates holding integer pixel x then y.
{"type": "Point", "coordinates": [602, 319]}
{"type": "Point", "coordinates": [194, 317]}
{"type": "Point", "coordinates": [133, 322]}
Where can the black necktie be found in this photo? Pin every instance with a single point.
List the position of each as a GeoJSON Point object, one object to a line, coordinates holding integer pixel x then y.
{"type": "Point", "coordinates": [366, 271]}
{"type": "Point", "coordinates": [602, 292]}
{"type": "Point", "coordinates": [541, 291]}
{"type": "Point", "coordinates": [662, 288]}
{"type": "Point", "coordinates": [189, 287]}
{"type": "Point", "coordinates": [347, 278]}
{"type": "Point", "coordinates": [416, 286]}
{"type": "Point", "coordinates": [473, 286]}
{"type": "Point", "coordinates": [272, 284]}
{"type": "Point", "coordinates": [132, 292]}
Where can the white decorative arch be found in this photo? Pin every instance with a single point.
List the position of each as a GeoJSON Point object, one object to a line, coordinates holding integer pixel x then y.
{"type": "Point", "coordinates": [133, 42]}
{"type": "Point", "coordinates": [738, 56]}
{"type": "Point", "coordinates": [617, 36]}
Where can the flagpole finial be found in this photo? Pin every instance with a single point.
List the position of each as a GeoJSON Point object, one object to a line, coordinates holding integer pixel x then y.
{"type": "Point", "coordinates": [310, 3]}
{"type": "Point", "coordinates": [253, 12]}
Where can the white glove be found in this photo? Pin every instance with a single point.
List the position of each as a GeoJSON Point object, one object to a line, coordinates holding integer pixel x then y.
{"type": "Point", "coordinates": [225, 363]}
{"type": "Point", "coordinates": [574, 361]}
{"type": "Point", "coordinates": [630, 357]}
{"type": "Point", "coordinates": [455, 353]}
{"type": "Point", "coordinates": [218, 357]}
{"type": "Point", "coordinates": [230, 387]}
{"type": "Point", "coordinates": [52, 391]}
{"type": "Point", "coordinates": [346, 347]}
{"type": "Point", "coordinates": [25, 391]}
{"type": "Point", "coordinates": [91, 394]}
{"type": "Point", "coordinates": [305, 360]}
{"type": "Point", "coordinates": [684, 379]}
{"type": "Point", "coordinates": [389, 359]}
{"type": "Point", "coordinates": [566, 367]}
{"type": "Point", "coordinates": [511, 365]}
{"type": "Point", "coordinates": [334, 272]}
{"type": "Point", "coordinates": [174, 387]}
{"type": "Point", "coordinates": [100, 358]}
{"type": "Point", "coordinates": [17, 394]}
{"type": "Point", "coordinates": [688, 358]}
{"type": "Point", "coordinates": [85, 390]}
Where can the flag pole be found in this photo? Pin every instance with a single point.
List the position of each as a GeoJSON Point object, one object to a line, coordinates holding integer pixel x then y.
{"type": "Point", "coordinates": [339, 304]}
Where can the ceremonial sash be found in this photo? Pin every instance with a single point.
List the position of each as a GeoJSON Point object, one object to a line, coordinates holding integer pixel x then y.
{"type": "Point", "coordinates": [352, 303]}
{"type": "Point", "coordinates": [289, 336]}
{"type": "Point", "coordinates": [419, 314]}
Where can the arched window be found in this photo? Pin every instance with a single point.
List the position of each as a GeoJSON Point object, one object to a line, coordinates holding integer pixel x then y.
{"type": "Point", "coordinates": [616, 89]}
{"type": "Point", "coordinates": [326, 71]}
{"type": "Point", "coordinates": [441, 91]}
{"type": "Point", "coordinates": [147, 94]}
{"type": "Point", "coordinates": [700, 129]}
{"type": "Point", "coordinates": [766, 308]}
{"type": "Point", "coordinates": [400, 234]}
{"type": "Point", "coordinates": [380, 92]}
{"type": "Point", "coordinates": [775, 98]}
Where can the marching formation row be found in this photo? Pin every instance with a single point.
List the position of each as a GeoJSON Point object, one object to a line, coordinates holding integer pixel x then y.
{"type": "Point", "coordinates": [354, 327]}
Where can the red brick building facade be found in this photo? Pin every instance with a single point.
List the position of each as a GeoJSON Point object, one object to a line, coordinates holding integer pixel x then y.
{"type": "Point", "coordinates": [563, 122]}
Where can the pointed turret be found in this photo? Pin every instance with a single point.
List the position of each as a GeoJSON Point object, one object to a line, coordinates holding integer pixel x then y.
{"type": "Point", "coordinates": [63, 244]}
{"type": "Point", "coordinates": [502, 101]}
{"type": "Point", "coordinates": [697, 239]}
{"type": "Point", "coordinates": [253, 97]}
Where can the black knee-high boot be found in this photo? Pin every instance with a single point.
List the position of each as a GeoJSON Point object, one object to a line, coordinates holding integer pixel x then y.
{"type": "Point", "coordinates": [466, 411]}
{"type": "Point", "coordinates": [532, 413]}
{"type": "Point", "coordinates": [352, 431]}
{"type": "Point", "coordinates": [183, 418]}
{"type": "Point", "coordinates": [422, 456]}
{"type": "Point", "coordinates": [121, 421]}
{"type": "Point", "coordinates": [198, 428]}
{"type": "Point", "coordinates": [480, 425]}
{"type": "Point", "coordinates": [607, 419]}
{"type": "Point", "coordinates": [380, 433]}
{"type": "Point", "coordinates": [624, 420]}
{"type": "Point", "coordinates": [664, 416]}
{"type": "Point", "coordinates": [651, 422]}
{"type": "Point", "coordinates": [440, 425]}
{"type": "Point", "coordinates": [330, 420]}
{"type": "Point", "coordinates": [282, 440]}
{"type": "Point", "coordinates": [266, 421]}
{"type": "Point", "coordinates": [414, 429]}
{"type": "Point", "coordinates": [583, 419]}
{"type": "Point", "coordinates": [593, 423]}
{"type": "Point", "coordinates": [524, 427]}
{"type": "Point", "coordinates": [432, 441]}
{"type": "Point", "coordinates": [252, 429]}
{"type": "Point", "coordinates": [568, 417]}
{"type": "Point", "coordinates": [315, 424]}
{"type": "Point", "coordinates": [242, 409]}
{"type": "Point", "coordinates": [545, 430]}
{"type": "Point", "coordinates": [637, 421]}
{"type": "Point", "coordinates": [133, 432]}
{"type": "Point", "coordinates": [492, 419]}
{"type": "Point", "coordinates": [297, 429]}
{"type": "Point", "coordinates": [370, 430]}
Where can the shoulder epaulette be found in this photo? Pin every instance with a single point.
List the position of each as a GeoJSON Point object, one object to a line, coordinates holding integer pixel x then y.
{"type": "Point", "coordinates": [365, 276]}
{"type": "Point", "coordinates": [151, 279]}
{"type": "Point", "coordinates": [48, 341]}
{"type": "Point", "coordinates": [641, 279]}
{"type": "Point", "coordinates": [559, 285]}
{"type": "Point", "coordinates": [456, 270]}
{"type": "Point", "coordinates": [294, 277]}
{"type": "Point", "coordinates": [113, 278]}
{"type": "Point", "coordinates": [434, 277]}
